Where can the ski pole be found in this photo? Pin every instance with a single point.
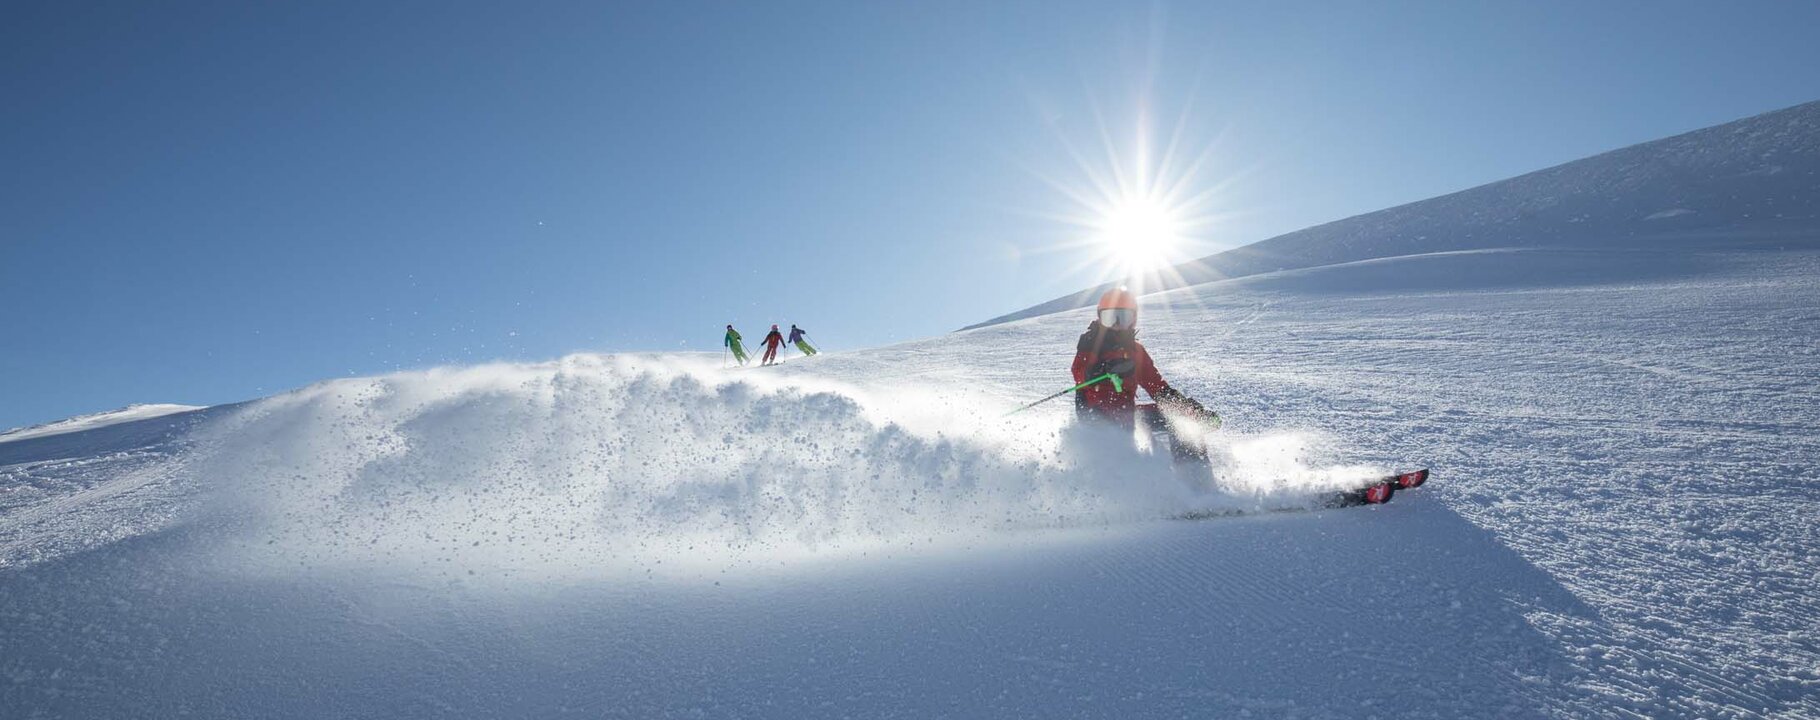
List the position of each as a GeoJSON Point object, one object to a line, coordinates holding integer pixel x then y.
{"type": "Point", "coordinates": [1118, 385]}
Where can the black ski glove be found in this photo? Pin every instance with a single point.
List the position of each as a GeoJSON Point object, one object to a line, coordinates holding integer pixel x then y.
{"type": "Point", "coordinates": [1174, 399]}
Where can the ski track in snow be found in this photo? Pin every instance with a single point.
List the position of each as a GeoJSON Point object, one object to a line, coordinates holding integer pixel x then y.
{"type": "Point", "coordinates": [1622, 524]}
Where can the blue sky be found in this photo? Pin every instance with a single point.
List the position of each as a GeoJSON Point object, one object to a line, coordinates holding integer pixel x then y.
{"type": "Point", "coordinates": [204, 203]}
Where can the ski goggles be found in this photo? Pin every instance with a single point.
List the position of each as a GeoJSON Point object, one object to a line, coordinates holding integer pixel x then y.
{"type": "Point", "coordinates": [1119, 318]}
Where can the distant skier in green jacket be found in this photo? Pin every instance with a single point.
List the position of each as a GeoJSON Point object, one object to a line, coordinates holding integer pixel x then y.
{"type": "Point", "coordinates": [732, 342]}
{"type": "Point", "coordinates": [801, 343]}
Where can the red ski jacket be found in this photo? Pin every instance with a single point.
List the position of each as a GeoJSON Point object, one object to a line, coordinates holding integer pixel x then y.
{"type": "Point", "coordinates": [1099, 345]}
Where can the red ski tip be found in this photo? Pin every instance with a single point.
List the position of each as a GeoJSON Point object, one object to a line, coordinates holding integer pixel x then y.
{"type": "Point", "coordinates": [1379, 493]}
{"type": "Point", "coordinates": [1412, 479]}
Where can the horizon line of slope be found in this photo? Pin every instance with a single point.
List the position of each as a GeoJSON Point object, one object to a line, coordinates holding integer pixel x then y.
{"type": "Point", "coordinates": [1758, 174]}
{"type": "Point", "coordinates": [132, 412]}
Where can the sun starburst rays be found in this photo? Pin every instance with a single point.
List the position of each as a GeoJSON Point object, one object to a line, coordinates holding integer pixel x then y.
{"type": "Point", "coordinates": [1137, 215]}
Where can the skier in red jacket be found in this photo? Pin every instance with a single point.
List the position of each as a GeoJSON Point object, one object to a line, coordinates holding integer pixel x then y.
{"type": "Point", "coordinates": [1110, 346]}
{"type": "Point", "coordinates": [772, 342]}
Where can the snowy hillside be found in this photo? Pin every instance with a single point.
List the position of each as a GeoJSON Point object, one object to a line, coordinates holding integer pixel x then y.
{"type": "Point", "coordinates": [1753, 181]}
{"type": "Point", "coordinates": [1621, 524]}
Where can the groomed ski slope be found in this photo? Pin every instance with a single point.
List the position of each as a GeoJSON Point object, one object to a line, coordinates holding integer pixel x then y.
{"type": "Point", "coordinates": [1622, 522]}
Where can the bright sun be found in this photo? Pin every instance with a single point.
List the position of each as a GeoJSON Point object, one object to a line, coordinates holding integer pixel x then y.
{"type": "Point", "coordinates": [1142, 232]}
{"type": "Point", "coordinates": [1138, 213]}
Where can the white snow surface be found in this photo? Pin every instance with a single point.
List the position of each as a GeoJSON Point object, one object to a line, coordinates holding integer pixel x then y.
{"type": "Point", "coordinates": [1622, 521]}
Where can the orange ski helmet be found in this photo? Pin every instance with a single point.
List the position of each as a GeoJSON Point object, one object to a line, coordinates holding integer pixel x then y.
{"type": "Point", "coordinates": [1118, 309]}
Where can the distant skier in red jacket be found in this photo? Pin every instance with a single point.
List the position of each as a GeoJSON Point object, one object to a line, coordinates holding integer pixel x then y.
{"type": "Point", "coordinates": [1110, 346]}
{"type": "Point", "coordinates": [772, 342]}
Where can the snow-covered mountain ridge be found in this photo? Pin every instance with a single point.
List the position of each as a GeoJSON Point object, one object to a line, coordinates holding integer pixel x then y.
{"type": "Point", "coordinates": [130, 413]}
{"type": "Point", "coordinates": [1755, 180]}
